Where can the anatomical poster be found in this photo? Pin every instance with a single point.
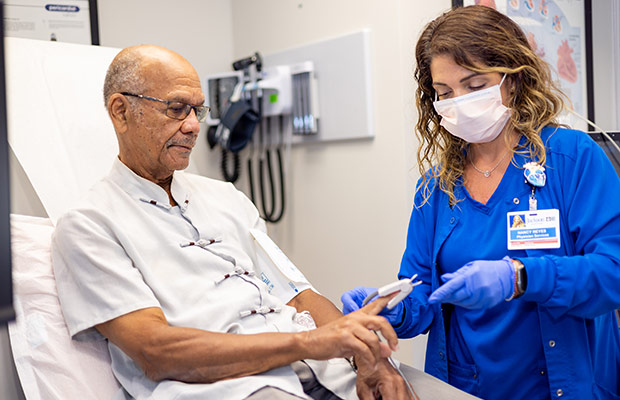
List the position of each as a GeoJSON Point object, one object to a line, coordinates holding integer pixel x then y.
{"type": "Point", "coordinates": [556, 32]}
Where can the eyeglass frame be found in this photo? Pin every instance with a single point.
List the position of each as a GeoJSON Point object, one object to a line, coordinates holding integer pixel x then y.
{"type": "Point", "coordinates": [197, 109]}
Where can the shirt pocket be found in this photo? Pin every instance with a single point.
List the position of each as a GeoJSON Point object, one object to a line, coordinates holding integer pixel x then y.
{"type": "Point", "coordinates": [464, 377]}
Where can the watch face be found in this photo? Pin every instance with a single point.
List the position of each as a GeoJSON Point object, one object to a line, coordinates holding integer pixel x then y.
{"type": "Point", "coordinates": [521, 279]}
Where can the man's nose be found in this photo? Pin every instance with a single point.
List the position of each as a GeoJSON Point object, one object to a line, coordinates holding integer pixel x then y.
{"type": "Point", "coordinates": [191, 123]}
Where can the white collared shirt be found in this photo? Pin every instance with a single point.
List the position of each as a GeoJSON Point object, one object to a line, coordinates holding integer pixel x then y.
{"type": "Point", "coordinates": [125, 248]}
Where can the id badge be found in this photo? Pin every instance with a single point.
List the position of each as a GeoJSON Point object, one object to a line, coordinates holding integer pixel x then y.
{"type": "Point", "coordinates": [537, 229]}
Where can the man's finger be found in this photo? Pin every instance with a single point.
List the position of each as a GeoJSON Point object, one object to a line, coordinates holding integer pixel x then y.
{"type": "Point", "coordinates": [376, 306]}
{"type": "Point", "coordinates": [390, 391]}
{"type": "Point", "coordinates": [396, 389]}
{"type": "Point", "coordinates": [389, 335]}
{"type": "Point", "coordinates": [371, 339]}
{"type": "Point", "coordinates": [362, 350]}
{"type": "Point", "coordinates": [378, 323]}
{"type": "Point", "coordinates": [381, 324]}
{"type": "Point", "coordinates": [365, 393]}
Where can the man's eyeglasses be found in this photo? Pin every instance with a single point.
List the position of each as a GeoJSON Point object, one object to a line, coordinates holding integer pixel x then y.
{"type": "Point", "coordinates": [176, 109]}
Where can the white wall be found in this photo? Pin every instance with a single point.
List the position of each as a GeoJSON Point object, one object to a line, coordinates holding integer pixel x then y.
{"type": "Point", "coordinates": [350, 200]}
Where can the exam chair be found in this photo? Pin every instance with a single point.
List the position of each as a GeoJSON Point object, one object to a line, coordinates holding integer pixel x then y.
{"type": "Point", "coordinates": [10, 386]}
{"type": "Point", "coordinates": [42, 361]}
{"type": "Point", "coordinates": [38, 359]}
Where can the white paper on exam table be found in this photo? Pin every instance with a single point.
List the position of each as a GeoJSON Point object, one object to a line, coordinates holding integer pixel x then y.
{"type": "Point", "coordinates": [68, 143]}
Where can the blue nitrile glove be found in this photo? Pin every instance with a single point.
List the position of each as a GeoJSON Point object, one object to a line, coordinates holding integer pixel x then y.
{"type": "Point", "coordinates": [353, 299]}
{"type": "Point", "coordinates": [478, 284]}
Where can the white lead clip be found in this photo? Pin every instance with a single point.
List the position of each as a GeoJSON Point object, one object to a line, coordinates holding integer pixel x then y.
{"type": "Point", "coordinates": [403, 286]}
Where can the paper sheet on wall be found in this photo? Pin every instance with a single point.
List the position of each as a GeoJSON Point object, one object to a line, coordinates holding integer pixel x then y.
{"type": "Point", "coordinates": [57, 123]}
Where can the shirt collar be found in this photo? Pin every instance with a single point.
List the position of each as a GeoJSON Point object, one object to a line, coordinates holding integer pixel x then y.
{"type": "Point", "coordinates": [145, 190]}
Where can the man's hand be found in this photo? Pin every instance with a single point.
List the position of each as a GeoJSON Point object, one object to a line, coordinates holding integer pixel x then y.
{"type": "Point", "coordinates": [353, 335]}
{"type": "Point", "coordinates": [380, 382]}
{"type": "Point", "coordinates": [352, 300]}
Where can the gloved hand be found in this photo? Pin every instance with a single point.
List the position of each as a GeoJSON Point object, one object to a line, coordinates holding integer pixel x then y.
{"type": "Point", "coordinates": [478, 284]}
{"type": "Point", "coordinates": [353, 299]}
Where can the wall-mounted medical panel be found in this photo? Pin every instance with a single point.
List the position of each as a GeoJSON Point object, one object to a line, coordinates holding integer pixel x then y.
{"type": "Point", "coordinates": [218, 89]}
{"type": "Point", "coordinates": [341, 75]}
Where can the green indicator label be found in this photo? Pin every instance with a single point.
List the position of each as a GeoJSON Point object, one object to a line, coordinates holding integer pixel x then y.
{"type": "Point", "coordinates": [273, 98]}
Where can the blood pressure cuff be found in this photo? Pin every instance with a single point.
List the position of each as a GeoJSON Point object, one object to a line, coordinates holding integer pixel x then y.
{"type": "Point", "coordinates": [240, 119]}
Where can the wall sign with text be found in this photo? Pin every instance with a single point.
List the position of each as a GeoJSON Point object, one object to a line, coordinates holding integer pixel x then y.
{"type": "Point", "coordinates": [72, 21]}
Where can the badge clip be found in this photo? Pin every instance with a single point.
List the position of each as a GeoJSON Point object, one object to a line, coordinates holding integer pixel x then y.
{"type": "Point", "coordinates": [534, 176]}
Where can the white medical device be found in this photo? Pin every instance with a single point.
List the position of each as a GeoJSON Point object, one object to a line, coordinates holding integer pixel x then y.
{"type": "Point", "coordinates": [403, 286]}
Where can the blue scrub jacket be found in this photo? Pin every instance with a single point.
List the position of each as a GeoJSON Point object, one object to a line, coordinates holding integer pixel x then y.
{"type": "Point", "coordinates": [576, 287]}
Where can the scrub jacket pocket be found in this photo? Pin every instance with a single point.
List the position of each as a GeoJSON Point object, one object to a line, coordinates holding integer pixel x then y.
{"type": "Point", "coordinates": [464, 377]}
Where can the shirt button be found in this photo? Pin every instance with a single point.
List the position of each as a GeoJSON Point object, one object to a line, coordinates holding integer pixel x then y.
{"type": "Point", "coordinates": [452, 220]}
{"type": "Point", "coordinates": [441, 355]}
{"type": "Point", "coordinates": [552, 343]}
{"type": "Point", "coordinates": [542, 372]}
{"type": "Point", "coordinates": [560, 392]}
{"type": "Point", "coordinates": [515, 200]}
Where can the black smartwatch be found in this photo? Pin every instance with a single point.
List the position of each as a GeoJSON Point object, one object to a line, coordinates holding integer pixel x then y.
{"type": "Point", "coordinates": [521, 278]}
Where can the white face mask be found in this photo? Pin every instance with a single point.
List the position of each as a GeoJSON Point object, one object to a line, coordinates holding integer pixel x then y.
{"type": "Point", "coordinates": [476, 117]}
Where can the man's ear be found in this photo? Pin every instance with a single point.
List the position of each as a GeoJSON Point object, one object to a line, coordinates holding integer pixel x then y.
{"type": "Point", "coordinates": [119, 109]}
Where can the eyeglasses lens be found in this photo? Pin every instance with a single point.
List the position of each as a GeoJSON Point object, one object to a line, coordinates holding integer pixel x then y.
{"type": "Point", "coordinates": [201, 113]}
{"type": "Point", "coordinates": [178, 110]}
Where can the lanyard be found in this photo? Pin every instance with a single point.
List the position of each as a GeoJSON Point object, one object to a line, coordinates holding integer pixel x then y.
{"type": "Point", "coordinates": [533, 202]}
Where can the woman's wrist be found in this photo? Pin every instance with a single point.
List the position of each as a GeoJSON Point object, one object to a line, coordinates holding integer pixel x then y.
{"type": "Point", "coordinates": [520, 279]}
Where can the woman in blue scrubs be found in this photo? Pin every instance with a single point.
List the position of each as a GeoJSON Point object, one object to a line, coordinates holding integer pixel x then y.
{"type": "Point", "coordinates": [515, 229]}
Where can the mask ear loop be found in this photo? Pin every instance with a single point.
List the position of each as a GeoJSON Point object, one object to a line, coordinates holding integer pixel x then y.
{"type": "Point", "coordinates": [511, 91]}
{"type": "Point", "coordinates": [502, 81]}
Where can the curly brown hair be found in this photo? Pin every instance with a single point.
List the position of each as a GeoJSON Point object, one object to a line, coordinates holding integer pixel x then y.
{"type": "Point", "coordinates": [483, 40]}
